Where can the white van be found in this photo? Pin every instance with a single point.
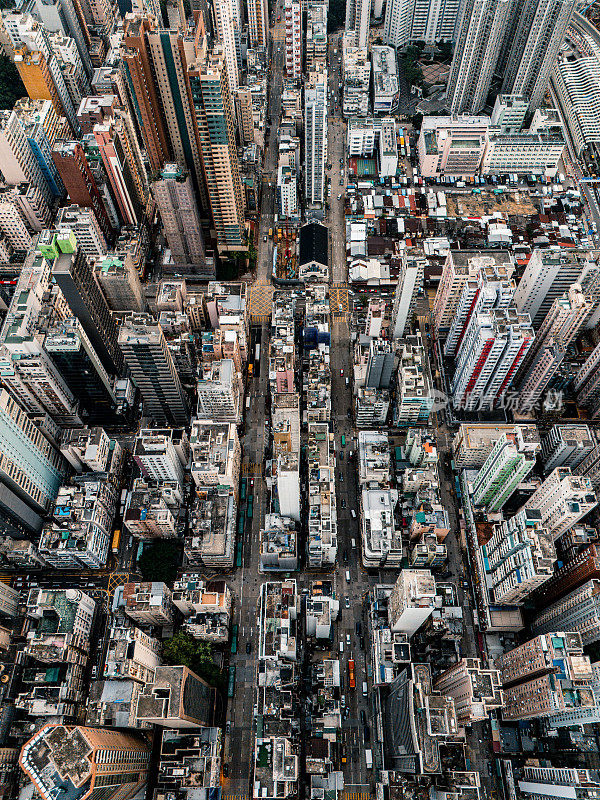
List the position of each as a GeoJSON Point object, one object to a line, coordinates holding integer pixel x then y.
{"type": "Point", "coordinates": [341, 647]}
{"type": "Point", "coordinates": [364, 688]}
{"type": "Point", "coordinates": [353, 512]}
{"type": "Point", "coordinates": [369, 759]}
{"type": "Point", "coordinates": [353, 543]}
{"type": "Point", "coordinates": [347, 576]}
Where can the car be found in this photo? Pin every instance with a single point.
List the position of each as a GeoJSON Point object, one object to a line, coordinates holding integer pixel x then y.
{"type": "Point", "coordinates": [362, 643]}
{"type": "Point", "coordinates": [367, 733]}
{"type": "Point", "coordinates": [343, 701]}
{"type": "Point", "coordinates": [339, 196]}
{"type": "Point", "coordinates": [342, 373]}
{"type": "Point", "coordinates": [343, 504]}
{"type": "Point", "coordinates": [341, 478]}
{"type": "Point", "coordinates": [228, 726]}
{"type": "Point", "coordinates": [248, 647]}
{"type": "Point", "coordinates": [363, 717]}
{"type": "Point", "coordinates": [348, 639]}
{"type": "Point", "coordinates": [357, 628]}
{"type": "Point", "coordinates": [345, 553]}
{"type": "Point", "coordinates": [225, 770]}
{"type": "Point", "coordinates": [264, 238]}
{"type": "Point", "coordinates": [347, 602]}
{"type": "Point", "coordinates": [341, 454]}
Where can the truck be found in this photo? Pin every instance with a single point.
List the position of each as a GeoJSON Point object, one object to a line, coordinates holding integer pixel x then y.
{"type": "Point", "coordinates": [369, 759]}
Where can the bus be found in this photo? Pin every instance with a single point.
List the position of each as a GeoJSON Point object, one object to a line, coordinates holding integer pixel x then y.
{"type": "Point", "coordinates": [241, 526]}
{"type": "Point", "coordinates": [249, 510]}
{"type": "Point", "coordinates": [369, 759]}
{"type": "Point", "coordinates": [238, 555]}
{"type": "Point", "coordinates": [243, 490]}
{"type": "Point", "coordinates": [351, 677]}
{"type": "Point", "coordinates": [343, 440]}
{"type": "Point", "coordinates": [231, 682]}
{"type": "Point", "coordinates": [257, 353]}
{"type": "Point", "coordinates": [115, 541]}
{"type": "Point", "coordinates": [234, 638]}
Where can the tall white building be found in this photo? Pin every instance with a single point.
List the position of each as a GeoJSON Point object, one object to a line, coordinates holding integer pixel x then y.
{"type": "Point", "coordinates": [228, 28]}
{"type": "Point", "coordinates": [356, 70]}
{"type": "Point", "coordinates": [548, 275]}
{"type": "Point", "coordinates": [410, 282]}
{"type": "Point", "coordinates": [489, 356]}
{"type": "Point", "coordinates": [412, 600]}
{"type": "Point", "coordinates": [220, 392]}
{"type": "Point", "coordinates": [420, 20]}
{"type": "Point", "coordinates": [358, 13]}
{"type": "Point", "coordinates": [562, 500]}
{"type": "Point", "coordinates": [258, 24]}
{"type": "Point", "coordinates": [489, 288]}
{"type": "Point", "coordinates": [479, 41]}
{"type": "Point", "coordinates": [293, 39]}
{"type": "Point", "coordinates": [29, 465]}
{"type": "Point", "coordinates": [547, 783]}
{"type": "Point", "coordinates": [539, 34]}
{"type": "Point", "coordinates": [159, 457]}
{"type": "Point", "coordinates": [315, 137]}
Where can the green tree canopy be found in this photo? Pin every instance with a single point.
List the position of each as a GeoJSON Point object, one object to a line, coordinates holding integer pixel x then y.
{"type": "Point", "coordinates": [160, 560]}
{"type": "Point", "coordinates": [11, 85]}
{"type": "Point", "coordinates": [197, 656]}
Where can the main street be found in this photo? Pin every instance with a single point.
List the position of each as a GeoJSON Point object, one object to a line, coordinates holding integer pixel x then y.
{"type": "Point", "coordinates": [246, 581]}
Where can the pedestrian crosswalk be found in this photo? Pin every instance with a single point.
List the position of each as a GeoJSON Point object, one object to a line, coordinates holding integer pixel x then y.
{"type": "Point", "coordinates": [357, 795]}
{"type": "Point", "coordinates": [227, 796]}
{"type": "Point", "coordinates": [252, 469]}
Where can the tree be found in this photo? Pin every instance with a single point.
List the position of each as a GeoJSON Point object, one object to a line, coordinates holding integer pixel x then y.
{"type": "Point", "coordinates": [160, 560]}
{"type": "Point", "coordinates": [197, 656]}
{"type": "Point", "coordinates": [11, 85]}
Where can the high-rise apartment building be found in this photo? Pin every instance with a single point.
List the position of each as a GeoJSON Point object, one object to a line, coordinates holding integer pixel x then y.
{"type": "Point", "coordinates": [539, 33]}
{"type": "Point", "coordinates": [177, 698]}
{"type": "Point", "coordinates": [562, 500]}
{"type": "Point", "coordinates": [489, 288]}
{"type": "Point", "coordinates": [358, 16]}
{"type": "Point", "coordinates": [480, 37]}
{"type": "Point", "coordinates": [511, 460]}
{"type": "Point", "coordinates": [147, 355]}
{"type": "Point", "coordinates": [73, 274]}
{"type": "Point", "coordinates": [549, 677]}
{"type": "Point", "coordinates": [412, 600]}
{"type": "Point", "coordinates": [213, 107]}
{"type": "Point", "coordinates": [410, 283]}
{"type": "Point", "coordinates": [176, 201]}
{"type": "Point", "coordinates": [72, 354]}
{"type": "Point", "coordinates": [84, 225]}
{"type": "Point", "coordinates": [577, 611]}
{"type": "Point", "coordinates": [549, 274]}
{"type": "Point", "coordinates": [228, 25]}
{"type": "Point", "coordinates": [518, 558]}
{"type": "Point", "coordinates": [258, 24]}
{"type": "Point", "coordinates": [293, 39]}
{"type": "Point", "coordinates": [19, 163]}
{"type": "Point", "coordinates": [120, 284]}
{"type": "Point", "coordinates": [564, 320]}
{"type": "Point", "coordinates": [161, 454]}
{"type": "Point", "coordinates": [476, 690]}
{"type": "Point", "coordinates": [566, 446]}
{"type": "Point", "coordinates": [41, 126]}
{"type": "Point", "coordinates": [409, 21]}
{"type": "Point", "coordinates": [315, 137]}
{"type": "Point", "coordinates": [587, 382]}
{"type": "Point", "coordinates": [80, 183]}
{"type": "Point", "coordinates": [138, 66]}
{"type": "Point", "coordinates": [490, 354]}
{"type": "Point", "coordinates": [29, 465]}
{"type": "Point", "coordinates": [462, 266]}
{"type": "Point", "coordinates": [65, 761]}
{"type": "Point", "coordinates": [220, 392]}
